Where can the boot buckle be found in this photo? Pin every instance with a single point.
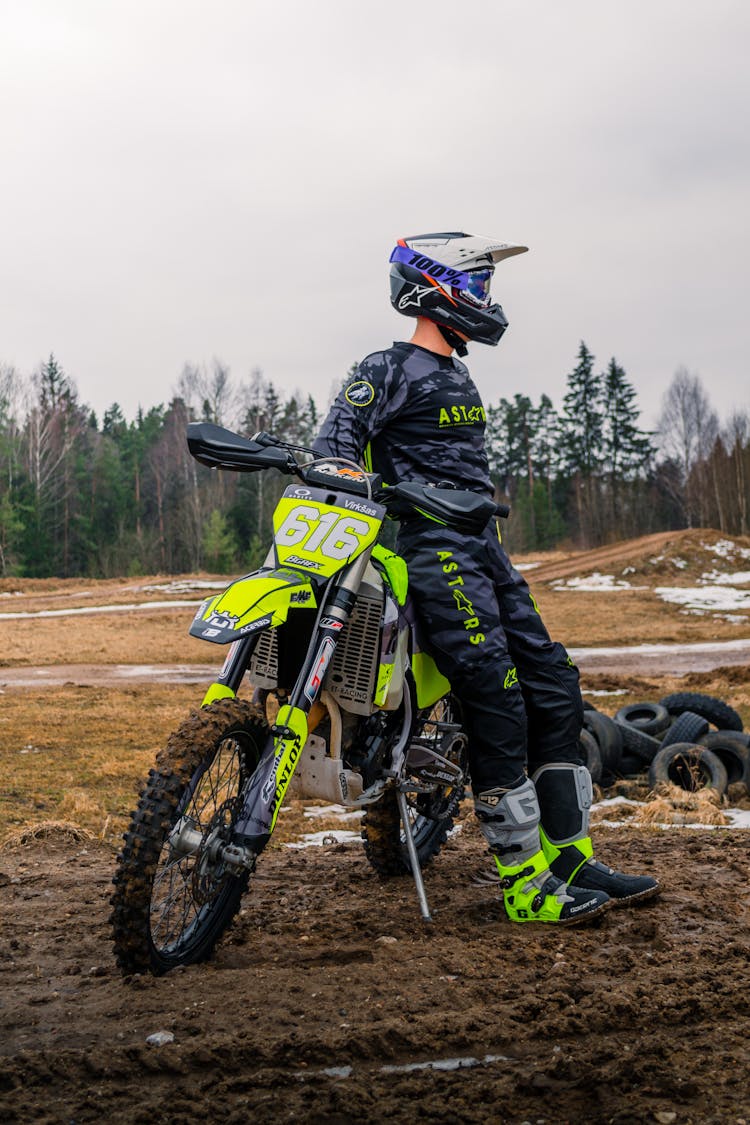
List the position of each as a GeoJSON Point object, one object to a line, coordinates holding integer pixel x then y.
{"type": "Point", "coordinates": [508, 881]}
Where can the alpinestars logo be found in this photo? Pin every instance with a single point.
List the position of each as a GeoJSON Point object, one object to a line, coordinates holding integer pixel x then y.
{"type": "Point", "coordinates": [415, 296]}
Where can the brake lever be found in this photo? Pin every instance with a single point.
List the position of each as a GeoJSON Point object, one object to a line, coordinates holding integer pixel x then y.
{"type": "Point", "coordinates": [265, 439]}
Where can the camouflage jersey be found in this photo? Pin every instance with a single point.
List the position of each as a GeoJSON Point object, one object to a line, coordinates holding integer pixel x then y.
{"type": "Point", "coordinates": [410, 414]}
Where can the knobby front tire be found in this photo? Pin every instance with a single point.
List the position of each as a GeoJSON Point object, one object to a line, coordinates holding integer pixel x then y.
{"type": "Point", "coordinates": [173, 900]}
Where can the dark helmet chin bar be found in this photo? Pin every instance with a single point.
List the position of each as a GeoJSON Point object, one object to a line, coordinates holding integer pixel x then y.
{"type": "Point", "coordinates": [454, 340]}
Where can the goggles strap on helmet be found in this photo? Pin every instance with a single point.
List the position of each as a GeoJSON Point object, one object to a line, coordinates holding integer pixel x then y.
{"type": "Point", "coordinates": [459, 279]}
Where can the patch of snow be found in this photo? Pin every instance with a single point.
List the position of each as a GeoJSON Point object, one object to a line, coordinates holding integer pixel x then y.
{"type": "Point", "coordinates": [319, 839]}
{"type": "Point", "coordinates": [628, 570]}
{"type": "Point", "coordinates": [97, 609]}
{"type": "Point", "coordinates": [610, 802]}
{"type": "Point", "coordinates": [334, 812]}
{"type": "Point", "coordinates": [601, 691]}
{"type": "Point", "coordinates": [185, 586]}
{"type": "Point", "coordinates": [679, 563]}
{"type": "Point", "coordinates": [594, 583]}
{"type": "Point", "coordinates": [717, 647]}
{"type": "Point", "coordinates": [725, 549]}
{"type": "Point", "coordinates": [705, 597]}
{"type": "Point", "coordinates": [526, 566]}
{"type": "Point", "coordinates": [720, 578]}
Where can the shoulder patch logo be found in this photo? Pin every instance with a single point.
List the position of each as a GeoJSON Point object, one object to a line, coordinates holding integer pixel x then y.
{"type": "Point", "coordinates": [360, 393]}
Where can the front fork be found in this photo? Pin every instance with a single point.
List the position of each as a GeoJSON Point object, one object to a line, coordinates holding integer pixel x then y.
{"type": "Point", "coordinates": [227, 683]}
{"type": "Point", "coordinates": [265, 791]}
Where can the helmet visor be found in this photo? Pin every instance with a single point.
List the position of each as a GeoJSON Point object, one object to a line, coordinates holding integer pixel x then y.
{"type": "Point", "coordinates": [477, 287]}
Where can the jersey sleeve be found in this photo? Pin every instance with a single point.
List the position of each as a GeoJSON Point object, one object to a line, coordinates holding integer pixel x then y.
{"type": "Point", "coordinates": [374, 394]}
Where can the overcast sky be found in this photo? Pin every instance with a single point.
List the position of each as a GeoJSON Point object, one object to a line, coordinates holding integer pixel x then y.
{"type": "Point", "coordinates": [182, 181]}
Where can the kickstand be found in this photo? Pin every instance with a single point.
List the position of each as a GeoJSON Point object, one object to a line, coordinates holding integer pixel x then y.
{"type": "Point", "coordinates": [416, 870]}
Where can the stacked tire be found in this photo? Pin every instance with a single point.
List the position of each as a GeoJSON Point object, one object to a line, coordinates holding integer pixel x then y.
{"type": "Point", "coordinates": [692, 740]}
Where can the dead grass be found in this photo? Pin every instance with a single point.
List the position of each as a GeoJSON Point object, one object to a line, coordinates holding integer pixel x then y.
{"type": "Point", "coordinates": [669, 804]}
{"type": "Point", "coordinates": [143, 637]}
{"type": "Point", "coordinates": [79, 755]}
{"type": "Point", "coordinates": [76, 754]}
{"type": "Point", "coordinates": [61, 830]}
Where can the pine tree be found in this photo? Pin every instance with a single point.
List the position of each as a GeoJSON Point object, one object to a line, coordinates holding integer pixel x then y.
{"type": "Point", "coordinates": [219, 543]}
{"type": "Point", "coordinates": [582, 425]}
{"type": "Point", "coordinates": [627, 449]}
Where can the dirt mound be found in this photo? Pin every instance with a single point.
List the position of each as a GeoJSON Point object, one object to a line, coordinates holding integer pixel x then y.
{"type": "Point", "coordinates": [678, 556]}
{"type": "Point", "coordinates": [330, 1002]}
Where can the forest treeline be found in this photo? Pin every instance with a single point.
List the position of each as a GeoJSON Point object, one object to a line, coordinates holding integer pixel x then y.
{"type": "Point", "coordinates": [104, 497]}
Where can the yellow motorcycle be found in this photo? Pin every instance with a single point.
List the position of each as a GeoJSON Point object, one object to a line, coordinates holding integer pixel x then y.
{"type": "Point", "coordinates": [343, 705]}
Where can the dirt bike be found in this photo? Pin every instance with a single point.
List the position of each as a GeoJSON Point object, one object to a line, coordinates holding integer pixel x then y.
{"type": "Point", "coordinates": [346, 707]}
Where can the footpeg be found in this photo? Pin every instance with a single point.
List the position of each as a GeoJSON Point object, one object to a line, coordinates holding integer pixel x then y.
{"type": "Point", "coordinates": [430, 767]}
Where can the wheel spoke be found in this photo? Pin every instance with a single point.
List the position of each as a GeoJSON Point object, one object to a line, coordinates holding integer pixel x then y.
{"type": "Point", "coordinates": [174, 895]}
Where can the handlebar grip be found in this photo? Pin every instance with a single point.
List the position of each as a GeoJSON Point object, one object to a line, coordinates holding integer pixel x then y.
{"type": "Point", "coordinates": [502, 511]}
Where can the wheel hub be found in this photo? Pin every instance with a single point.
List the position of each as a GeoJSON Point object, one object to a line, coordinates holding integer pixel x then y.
{"type": "Point", "coordinates": [211, 869]}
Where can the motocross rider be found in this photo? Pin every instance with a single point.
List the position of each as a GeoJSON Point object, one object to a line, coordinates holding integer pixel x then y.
{"type": "Point", "coordinates": [412, 412]}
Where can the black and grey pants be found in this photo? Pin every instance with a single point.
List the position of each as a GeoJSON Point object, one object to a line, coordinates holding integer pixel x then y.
{"type": "Point", "coordinates": [518, 689]}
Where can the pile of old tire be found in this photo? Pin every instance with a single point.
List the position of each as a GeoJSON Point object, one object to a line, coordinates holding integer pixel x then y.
{"type": "Point", "coordinates": [694, 741]}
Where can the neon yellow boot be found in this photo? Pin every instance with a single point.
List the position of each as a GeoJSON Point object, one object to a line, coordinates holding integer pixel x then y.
{"type": "Point", "coordinates": [509, 820]}
{"type": "Point", "coordinates": [565, 794]}
{"type": "Point", "coordinates": [533, 894]}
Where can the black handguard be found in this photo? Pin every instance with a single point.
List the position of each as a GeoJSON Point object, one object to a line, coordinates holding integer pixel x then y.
{"type": "Point", "coordinates": [502, 511]}
{"type": "Point", "coordinates": [222, 449]}
{"type": "Point", "coordinates": [464, 511]}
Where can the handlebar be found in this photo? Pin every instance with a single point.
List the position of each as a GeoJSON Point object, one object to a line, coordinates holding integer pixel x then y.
{"type": "Point", "coordinates": [461, 509]}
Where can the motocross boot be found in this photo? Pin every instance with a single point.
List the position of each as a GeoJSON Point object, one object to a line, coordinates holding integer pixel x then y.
{"type": "Point", "coordinates": [509, 820]}
{"type": "Point", "coordinates": [565, 793]}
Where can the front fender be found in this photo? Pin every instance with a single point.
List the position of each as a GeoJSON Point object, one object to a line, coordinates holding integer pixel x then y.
{"type": "Point", "coordinates": [258, 601]}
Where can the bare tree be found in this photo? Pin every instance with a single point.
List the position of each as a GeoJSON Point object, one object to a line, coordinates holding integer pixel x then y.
{"type": "Point", "coordinates": [209, 394]}
{"type": "Point", "coordinates": [688, 427]}
{"type": "Point", "coordinates": [737, 440]}
{"type": "Point", "coordinates": [53, 428]}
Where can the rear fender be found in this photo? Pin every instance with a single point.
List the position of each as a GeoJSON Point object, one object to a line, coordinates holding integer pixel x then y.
{"type": "Point", "coordinates": [256, 602]}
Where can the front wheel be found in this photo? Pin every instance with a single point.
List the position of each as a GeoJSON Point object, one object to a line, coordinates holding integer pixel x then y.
{"type": "Point", "coordinates": [430, 814]}
{"type": "Point", "coordinates": [174, 897]}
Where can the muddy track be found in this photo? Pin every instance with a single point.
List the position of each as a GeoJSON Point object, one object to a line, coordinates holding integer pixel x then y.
{"type": "Point", "coordinates": [657, 659]}
{"type": "Point", "coordinates": [602, 557]}
{"type": "Point", "coordinates": [328, 979]}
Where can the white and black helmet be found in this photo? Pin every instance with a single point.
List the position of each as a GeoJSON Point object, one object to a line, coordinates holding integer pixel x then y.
{"type": "Point", "coordinates": [446, 278]}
